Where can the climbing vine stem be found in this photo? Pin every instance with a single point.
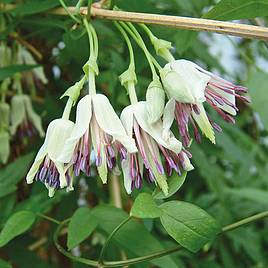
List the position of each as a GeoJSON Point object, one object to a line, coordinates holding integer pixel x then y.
{"type": "Point", "coordinates": [103, 264]}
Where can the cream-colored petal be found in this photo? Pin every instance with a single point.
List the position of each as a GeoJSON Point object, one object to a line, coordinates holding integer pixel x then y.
{"type": "Point", "coordinates": [110, 123]}
{"type": "Point", "coordinates": [184, 82]}
{"type": "Point", "coordinates": [155, 130]}
{"type": "Point", "coordinates": [62, 177]}
{"type": "Point", "coordinates": [227, 96]}
{"type": "Point", "coordinates": [168, 118]}
{"type": "Point", "coordinates": [83, 117]}
{"type": "Point", "coordinates": [125, 164]}
{"type": "Point", "coordinates": [187, 165]}
{"type": "Point", "coordinates": [37, 162]}
{"type": "Point", "coordinates": [98, 147]}
{"type": "Point", "coordinates": [18, 112]}
{"type": "Point", "coordinates": [58, 133]}
{"type": "Point", "coordinates": [127, 119]}
{"type": "Point", "coordinates": [33, 116]}
{"type": "Point", "coordinates": [203, 123]}
{"type": "Point", "coordinates": [195, 80]}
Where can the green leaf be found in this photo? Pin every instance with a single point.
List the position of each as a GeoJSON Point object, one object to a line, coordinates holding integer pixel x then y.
{"type": "Point", "coordinates": [257, 85]}
{"type": "Point", "coordinates": [13, 173]}
{"type": "Point", "coordinates": [238, 9]}
{"type": "Point", "coordinates": [252, 194]}
{"type": "Point", "coordinates": [17, 224]}
{"type": "Point", "coordinates": [33, 6]}
{"type": "Point", "coordinates": [133, 237]}
{"type": "Point", "coordinates": [145, 207]}
{"type": "Point", "coordinates": [11, 70]}
{"type": "Point", "coordinates": [82, 224]}
{"type": "Point", "coordinates": [184, 40]}
{"type": "Point", "coordinates": [189, 225]}
{"type": "Point", "coordinates": [174, 184]}
{"type": "Point", "coordinates": [17, 169]}
{"type": "Point", "coordinates": [4, 264]}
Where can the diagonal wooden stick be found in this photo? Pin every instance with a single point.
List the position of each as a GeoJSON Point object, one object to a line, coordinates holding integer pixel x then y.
{"type": "Point", "coordinates": [195, 24]}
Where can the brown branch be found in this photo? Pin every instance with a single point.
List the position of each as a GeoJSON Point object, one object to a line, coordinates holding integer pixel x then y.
{"type": "Point", "coordinates": [26, 44]}
{"type": "Point", "coordinates": [195, 24]}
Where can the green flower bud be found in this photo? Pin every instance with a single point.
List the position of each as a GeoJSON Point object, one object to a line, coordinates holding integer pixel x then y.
{"type": "Point", "coordinates": [155, 101]}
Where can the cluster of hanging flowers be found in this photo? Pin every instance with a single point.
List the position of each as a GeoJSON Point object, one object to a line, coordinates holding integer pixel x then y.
{"type": "Point", "coordinates": [140, 139]}
{"type": "Point", "coordinates": [18, 120]}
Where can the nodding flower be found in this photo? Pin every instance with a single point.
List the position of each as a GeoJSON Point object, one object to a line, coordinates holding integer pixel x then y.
{"type": "Point", "coordinates": [190, 86]}
{"type": "Point", "coordinates": [97, 128]}
{"type": "Point", "coordinates": [24, 120]}
{"type": "Point", "coordinates": [46, 168]}
{"type": "Point", "coordinates": [152, 148]}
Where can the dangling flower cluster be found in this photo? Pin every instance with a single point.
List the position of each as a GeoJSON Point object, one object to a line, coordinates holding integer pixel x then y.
{"type": "Point", "coordinates": [17, 116]}
{"type": "Point", "coordinates": [190, 86]}
{"type": "Point", "coordinates": [141, 138]}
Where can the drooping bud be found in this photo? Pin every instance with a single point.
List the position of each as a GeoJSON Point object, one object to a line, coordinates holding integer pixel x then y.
{"type": "Point", "coordinates": [155, 101]}
{"type": "Point", "coordinates": [162, 48]}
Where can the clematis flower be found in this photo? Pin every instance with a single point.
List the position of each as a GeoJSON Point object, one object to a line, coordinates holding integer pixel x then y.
{"type": "Point", "coordinates": [190, 86]}
{"type": "Point", "coordinates": [99, 128]}
{"type": "Point", "coordinates": [152, 147]}
{"type": "Point", "coordinates": [46, 168]}
{"type": "Point", "coordinates": [24, 119]}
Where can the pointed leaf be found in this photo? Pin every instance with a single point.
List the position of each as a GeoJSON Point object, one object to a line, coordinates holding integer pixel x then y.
{"type": "Point", "coordinates": [189, 225]}
{"type": "Point", "coordinates": [174, 184]}
{"type": "Point", "coordinates": [238, 9]}
{"type": "Point", "coordinates": [82, 224]}
{"type": "Point", "coordinates": [17, 224]}
{"type": "Point", "coordinates": [145, 207]}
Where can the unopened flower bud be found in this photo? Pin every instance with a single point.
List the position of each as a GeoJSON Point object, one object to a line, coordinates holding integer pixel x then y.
{"type": "Point", "coordinates": [155, 101]}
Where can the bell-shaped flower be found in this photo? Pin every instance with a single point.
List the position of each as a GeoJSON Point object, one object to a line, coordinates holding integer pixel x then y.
{"type": "Point", "coordinates": [4, 132]}
{"type": "Point", "coordinates": [99, 128]}
{"type": "Point", "coordinates": [25, 57]}
{"type": "Point", "coordinates": [46, 167]}
{"type": "Point", "coordinates": [190, 86]}
{"type": "Point", "coordinates": [152, 148]}
{"type": "Point", "coordinates": [24, 120]}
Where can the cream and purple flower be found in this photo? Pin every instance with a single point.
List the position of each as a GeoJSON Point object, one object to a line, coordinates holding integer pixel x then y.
{"type": "Point", "coordinates": [152, 148]}
{"type": "Point", "coordinates": [190, 86]}
{"type": "Point", "coordinates": [99, 128]}
{"type": "Point", "coordinates": [24, 120]}
{"type": "Point", "coordinates": [46, 167]}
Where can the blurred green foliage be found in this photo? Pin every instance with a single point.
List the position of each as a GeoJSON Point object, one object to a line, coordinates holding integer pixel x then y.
{"type": "Point", "coordinates": [229, 182]}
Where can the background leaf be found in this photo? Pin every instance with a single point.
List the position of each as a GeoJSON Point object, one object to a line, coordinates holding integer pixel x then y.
{"type": "Point", "coordinates": [17, 224]}
{"type": "Point", "coordinates": [11, 70]}
{"type": "Point", "coordinates": [82, 224]}
{"type": "Point", "coordinates": [145, 207]}
{"type": "Point", "coordinates": [258, 92]}
{"type": "Point", "coordinates": [174, 184]}
{"type": "Point", "coordinates": [32, 7]}
{"type": "Point", "coordinates": [238, 9]}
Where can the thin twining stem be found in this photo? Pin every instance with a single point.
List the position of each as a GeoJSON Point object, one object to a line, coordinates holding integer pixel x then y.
{"type": "Point", "coordinates": [155, 255]}
{"type": "Point", "coordinates": [112, 234]}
